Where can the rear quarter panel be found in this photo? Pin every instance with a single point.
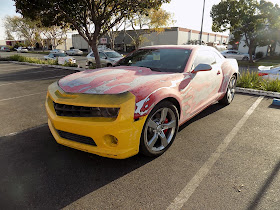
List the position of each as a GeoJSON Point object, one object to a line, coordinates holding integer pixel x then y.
{"type": "Point", "coordinates": [229, 67]}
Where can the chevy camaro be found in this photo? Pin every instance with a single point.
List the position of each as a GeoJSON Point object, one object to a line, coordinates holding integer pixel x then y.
{"type": "Point", "coordinates": [138, 105]}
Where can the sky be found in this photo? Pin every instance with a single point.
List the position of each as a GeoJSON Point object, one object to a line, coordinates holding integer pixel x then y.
{"type": "Point", "coordinates": [186, 13]}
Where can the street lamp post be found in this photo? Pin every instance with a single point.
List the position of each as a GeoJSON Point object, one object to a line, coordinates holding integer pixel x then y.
{"type": "Point", "coordinates": [202, 22]}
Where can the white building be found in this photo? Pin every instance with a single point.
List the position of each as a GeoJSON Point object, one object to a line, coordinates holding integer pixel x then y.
{"type": "Point", "coordinates": [170, 36]}
{"type": "Point", "coordinates": [244, 49]}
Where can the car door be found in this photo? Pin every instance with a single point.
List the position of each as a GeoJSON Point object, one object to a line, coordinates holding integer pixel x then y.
{"type": "Point", "coordinates": [204, 86]}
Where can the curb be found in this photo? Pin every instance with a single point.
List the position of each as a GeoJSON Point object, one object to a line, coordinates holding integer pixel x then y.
{"type": "Point", "coordinates": [258, 92]}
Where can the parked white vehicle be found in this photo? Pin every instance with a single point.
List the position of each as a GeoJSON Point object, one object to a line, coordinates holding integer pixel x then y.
{"type": "Point", "coordinates": [61, 58]}
{"type": "Point", "coordinates": [74, 52]}
{"type": "Point", "coordinates": [235, 54]}
{"type": "Point", "coordinates": [57, 51]}
{"type": "Point", "coordinates": [268, 72]}
{"type": "Point", "coordinates": [22, 49]}
{"type": "Point", "coordinates": [107, 57]}
{"type": "Point", "coordinates": [5, 49]}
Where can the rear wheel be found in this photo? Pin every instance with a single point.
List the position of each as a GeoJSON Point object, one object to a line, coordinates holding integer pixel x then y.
{"type": "Point", "coordinates": [228, 97]}
{"type": "Point", "coordinates": [160, 129]}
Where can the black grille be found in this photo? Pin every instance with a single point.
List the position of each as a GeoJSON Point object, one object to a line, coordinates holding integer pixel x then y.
{"type": "Point", "coordinates": [77, 138]}
{"type": "Point", "coordinates": [73, 111]}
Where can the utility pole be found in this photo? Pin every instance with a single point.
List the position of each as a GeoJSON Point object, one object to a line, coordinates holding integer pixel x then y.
{"type": "Point", "coordinates": [202, 22]}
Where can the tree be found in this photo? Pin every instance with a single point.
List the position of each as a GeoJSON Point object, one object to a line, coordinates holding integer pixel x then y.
{"type": "Point", "coordinates": [114, 32]}
{"type": "Point", "coordinates": [55, 34]}
{"type": "Point", "coordinates": [152, 19]}
{"type": "Point", "coordinates": [244, 18]}
{"type": "Point", "coordinates": [9, 35]}
{"type": "Point", "coordinates": [91, 18]}
{"type": "Point", "coordinates": [271, 33]}
{"type": "Point", "coordinates": [23, 28]}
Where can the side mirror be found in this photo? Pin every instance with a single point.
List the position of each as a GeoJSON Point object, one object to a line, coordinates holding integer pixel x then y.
{"type": "Point", "coordinates": [202, 67]}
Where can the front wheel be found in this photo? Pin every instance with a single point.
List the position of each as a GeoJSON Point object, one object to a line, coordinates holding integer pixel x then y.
{"type": "Point", "coordinates": [159, 130]}
{"type": "Point", "coordinates": [228, 97]}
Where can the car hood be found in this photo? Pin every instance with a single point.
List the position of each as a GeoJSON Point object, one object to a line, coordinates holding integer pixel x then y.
{"type": "Point", "coordinates": [137, 80]}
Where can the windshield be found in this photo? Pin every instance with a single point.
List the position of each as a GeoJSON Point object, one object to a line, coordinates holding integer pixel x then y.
{"type": "Point", "coordinates": [113, 54]}
{"type": "Point", "coordinates": [163, 60]}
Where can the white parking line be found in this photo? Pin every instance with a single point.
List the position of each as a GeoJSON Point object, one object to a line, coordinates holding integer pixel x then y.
{"type": "Point", "coordinates": [189, 189]}
{"type": "Point", "coordinates": [7, 99]}
{"type": "Point", "coordinates": [11, 83]}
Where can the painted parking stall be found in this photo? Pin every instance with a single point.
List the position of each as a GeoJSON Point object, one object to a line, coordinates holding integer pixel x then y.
{"type": "Point", "coordinates": [235, 148]}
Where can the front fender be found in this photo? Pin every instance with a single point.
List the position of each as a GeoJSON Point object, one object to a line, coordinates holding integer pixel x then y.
{"type": "Point", "coordinates": [144, 106]}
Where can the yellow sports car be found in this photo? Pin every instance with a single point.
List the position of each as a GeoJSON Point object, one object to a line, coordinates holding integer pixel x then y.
{"type": "Point", "coordinates": [138, 104]}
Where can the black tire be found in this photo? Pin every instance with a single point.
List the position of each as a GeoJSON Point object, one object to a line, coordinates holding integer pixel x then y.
{"type": "Point", "coordinates": [229, 96]}
{"type": "Point", "coordinates": [109, 65]}
{"type": "Point", "coordinates": [159, 130]}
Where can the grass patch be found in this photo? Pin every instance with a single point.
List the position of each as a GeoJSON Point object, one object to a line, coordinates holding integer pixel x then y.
{"type": "Point", "coordinates": [253, 81]}
{"type": "Point", "coordinates": [20, 58]}
{"type": "Point", "coordinates": [259, 63]}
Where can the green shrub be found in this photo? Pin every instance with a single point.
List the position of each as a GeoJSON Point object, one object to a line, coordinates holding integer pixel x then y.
{"type": "Point", "coordinates": [70, 64]}
{"type": "Point", "coordinates": [31, 60]}
{"type": "Point", "coordinates": [254, 81]}
{"type": "Point", "coordinates": [271, 85]}
{"type": "Point", "coordinates": [259, 55]}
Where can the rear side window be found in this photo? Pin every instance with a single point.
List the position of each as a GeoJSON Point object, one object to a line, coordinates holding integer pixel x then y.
{"type": "Point", "coordinates": [204, 57]}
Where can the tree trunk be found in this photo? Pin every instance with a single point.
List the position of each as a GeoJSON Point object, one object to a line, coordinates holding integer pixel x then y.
{"type": "Point", "coordinates": [96, 54]}
{"type": "Point", "coordinates": [251, 48]}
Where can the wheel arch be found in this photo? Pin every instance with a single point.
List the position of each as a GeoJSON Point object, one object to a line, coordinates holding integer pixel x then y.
{"type": "Point", "coordinates": [175, 102]}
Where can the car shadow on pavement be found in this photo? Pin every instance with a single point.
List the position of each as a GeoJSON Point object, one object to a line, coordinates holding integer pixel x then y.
{"type": "Point", "coordinates": [274, 106]}
{"type": "Point", "coordinates": [211, 109]}
{"type": "Point", "coordinates": [38, 173]}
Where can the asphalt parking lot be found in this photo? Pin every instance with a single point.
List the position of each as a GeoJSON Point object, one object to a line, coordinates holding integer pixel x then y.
{"type": "Point", "coordinates": [224, 158]}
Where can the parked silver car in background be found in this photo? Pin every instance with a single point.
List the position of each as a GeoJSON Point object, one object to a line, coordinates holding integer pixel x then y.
{"type": "Point", "coordinates": [22, 50]}
{"type": "Point", "coordinates": [57, 51]}
{"type": "Point", "coordinates": [74, 52]}
{"type": "Point", "coordinates": [108, 57]}
{"type": "Point", "coordinates": [236, 54]}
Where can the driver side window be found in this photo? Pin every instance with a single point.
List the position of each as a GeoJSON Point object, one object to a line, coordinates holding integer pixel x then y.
{"type": "Point", "coordinates": [204, 57]}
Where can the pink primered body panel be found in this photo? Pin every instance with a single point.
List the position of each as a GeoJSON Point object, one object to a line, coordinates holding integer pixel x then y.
{"type": "Point", "coordinates": [194, 92]}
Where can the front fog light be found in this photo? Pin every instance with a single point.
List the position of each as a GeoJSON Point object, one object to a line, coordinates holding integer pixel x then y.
{"type": "Point", "coordinates": [111, 141]}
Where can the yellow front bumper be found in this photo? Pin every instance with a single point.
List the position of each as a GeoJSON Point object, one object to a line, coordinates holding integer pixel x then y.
{"type": "Point", "coordinates": [103, 131]}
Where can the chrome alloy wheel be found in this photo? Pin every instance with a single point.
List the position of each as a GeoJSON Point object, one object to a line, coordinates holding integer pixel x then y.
{"type": "Point", "coordinates": [231, 89]}
{"type": "Point", "coordinates": [160, 129]}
